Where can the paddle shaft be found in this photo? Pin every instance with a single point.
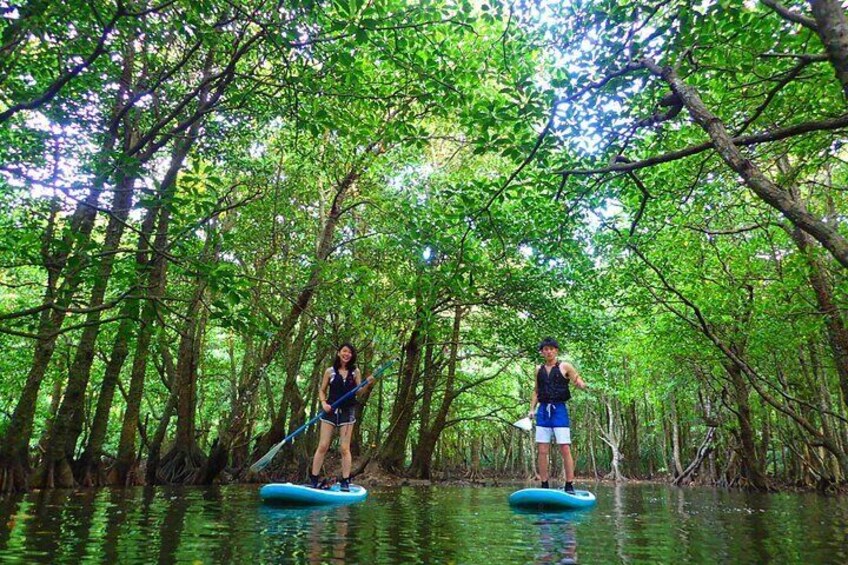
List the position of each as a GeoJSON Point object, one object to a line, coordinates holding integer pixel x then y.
{"type": "Point", "coordinates": [259, 465]}
{"type": "Point", "coordinates": [333, 407]}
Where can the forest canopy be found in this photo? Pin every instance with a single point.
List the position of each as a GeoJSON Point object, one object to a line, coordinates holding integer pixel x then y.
{"type": "Point", "coordinates": [202, 200]}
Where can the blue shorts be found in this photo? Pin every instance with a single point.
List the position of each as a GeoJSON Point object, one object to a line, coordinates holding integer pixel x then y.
{"type": "Point", "coordinates": [554, 415]}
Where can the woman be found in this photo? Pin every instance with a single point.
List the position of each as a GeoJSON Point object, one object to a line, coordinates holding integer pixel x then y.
{"type": "Point", "coordinates": [338, 380]}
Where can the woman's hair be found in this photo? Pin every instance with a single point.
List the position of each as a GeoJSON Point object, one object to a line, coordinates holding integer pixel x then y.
{"type": "Point", "coordinates": [351, 365]}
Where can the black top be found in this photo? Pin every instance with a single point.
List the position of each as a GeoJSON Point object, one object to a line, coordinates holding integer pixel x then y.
{"type": "Point", "coordinates": [339, 386]}
{"type": "Point", "coordinates": [551, 386]}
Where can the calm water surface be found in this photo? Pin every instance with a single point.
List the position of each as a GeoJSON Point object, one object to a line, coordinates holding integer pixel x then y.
{"type": "Point", "coordinates": [630, 524]}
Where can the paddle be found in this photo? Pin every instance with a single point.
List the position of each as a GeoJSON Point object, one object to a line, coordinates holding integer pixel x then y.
{"type": "Point", "coordinates": [524, 424]}
{"type": "Point", "coordinates": [262, 463]}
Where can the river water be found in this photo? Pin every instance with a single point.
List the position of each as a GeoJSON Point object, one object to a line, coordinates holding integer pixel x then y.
{"type": "Point", "coordinates": [405, 525]}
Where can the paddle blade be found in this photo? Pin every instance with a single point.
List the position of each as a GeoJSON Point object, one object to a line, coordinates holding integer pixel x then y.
{"type": "Point", "coordinates": [267, 458]}
{"type": "Point", "coordinates": [524, 424]}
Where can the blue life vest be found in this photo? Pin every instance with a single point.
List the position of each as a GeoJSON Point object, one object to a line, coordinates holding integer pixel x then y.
{"type": "Point", "coordinates": [551, 386]}
{"type": "Point", "coordinates": [339, 386]}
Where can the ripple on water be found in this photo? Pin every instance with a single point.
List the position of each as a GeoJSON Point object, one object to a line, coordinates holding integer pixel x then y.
{"type": "Point", "coordinates": [631, 523]}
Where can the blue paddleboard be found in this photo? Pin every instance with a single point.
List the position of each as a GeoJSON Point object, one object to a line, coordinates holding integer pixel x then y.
{"type": "Point", "coordinates": [303, 495]}
{"type": "Point", "coordinates": [552, 498]}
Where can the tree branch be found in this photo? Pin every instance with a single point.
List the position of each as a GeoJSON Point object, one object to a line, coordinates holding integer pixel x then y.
{"type": "Point", "coordinates": [751, 174]}
{"type": "Point", "coordinates": [59, 83]}
{"type": "Point", "coordinates": [743, 141]}
{"type": "Point", "coordinates": [791, 16]}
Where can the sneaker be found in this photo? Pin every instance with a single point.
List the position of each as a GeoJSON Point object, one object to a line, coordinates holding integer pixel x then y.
{"type": "Point", "coordinates": [569, 488]}
{"type": "Point", "coordinates": [344, 485]}
{"type": "Point", "coordinates": [545, 484]}
{"type": "Point", "coordinates": [314, 480]}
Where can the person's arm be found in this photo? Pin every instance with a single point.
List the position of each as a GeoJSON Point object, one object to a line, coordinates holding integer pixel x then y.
{"type": "Point", "coordinates": [534, 400]}
{"type": "Point", "coordinates": [571, 374]}
{"type": "Point", "coordinates": [322, 390]}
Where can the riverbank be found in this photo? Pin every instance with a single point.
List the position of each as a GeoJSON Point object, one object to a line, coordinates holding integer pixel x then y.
{"type": "Point", "coordinates": [373, 476]}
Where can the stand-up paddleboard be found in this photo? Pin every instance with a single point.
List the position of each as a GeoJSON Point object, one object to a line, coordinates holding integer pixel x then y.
{"type": "Point", "coordinates": [303, 495]}
{"type": "Point", "coordinates": [551, 498]}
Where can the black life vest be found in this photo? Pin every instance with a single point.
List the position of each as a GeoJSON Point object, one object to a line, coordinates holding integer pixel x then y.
{"type": "Point", "coordinates": [339, 386]}
{"type": "Point", "coordinates": [551, 386]}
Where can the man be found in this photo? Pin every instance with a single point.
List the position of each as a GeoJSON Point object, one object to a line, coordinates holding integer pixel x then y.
{"type": "Point", "coordinates": [548, 407]}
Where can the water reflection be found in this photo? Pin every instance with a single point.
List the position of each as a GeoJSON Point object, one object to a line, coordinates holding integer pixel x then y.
{"type": "Point", "coordinates": [338, 527]}
{"type": "Point", "coordinates": [310, 535]}
{"type": "Point", "coordinates": [630, 523]}
{"type": "Point", "coordinates": [557, 535]}
{"type": "Point", "coordinates": [558, 540]}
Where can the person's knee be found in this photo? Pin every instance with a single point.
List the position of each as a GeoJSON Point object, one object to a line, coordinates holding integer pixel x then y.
{"type": "Point", "coordinates": [544, 448]}
{"type": "Point", "coordinates": [323, 448]}
{"type": "Point", "coordinates": [345, 450]}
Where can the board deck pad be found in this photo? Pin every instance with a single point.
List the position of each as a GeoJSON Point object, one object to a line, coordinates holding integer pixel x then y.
{"type": "Point", "coordinates": [305, 495]}
{"type": "Point", "coordinates": [551, 498]}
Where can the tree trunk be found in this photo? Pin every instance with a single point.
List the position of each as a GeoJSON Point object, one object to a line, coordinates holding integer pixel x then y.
{"type": "Point", "coordinates": [169, 371]}
{"type": "Point", "coordinates": [322, 360]}
{"type": "Point", "coordinates": [475, 472]}
{"type": "Point", "coordinates": [836, 331]}
{"type": "Point", "coordinates": [429, 382]}
{"type": "Point", "coordinates": [367, 358]}
{"type": "Point", "coordinates": [429, 438]}
{"type": "Point", "coordinates": [685, 477]}
{"type": "Point", "coordinates": [612, 437]}
{"type": "Point", "coordinates": [124, 470]}
{"type": "Point", "coordinates": [675, 437]}
{"type": "Point", "coordinates": [833, 31]}
{"type": "Point", "coordinates": [89, 469]}
{"type": "Point", "coordinates": [292, 408]}
{"type": "Point", "coordinates": [632, 457]}
{"type": "Point", "coordinates": [751, 471]}
{"type": "Point", "coordinates": [66, 428]}
{"type": "Point", "coordinates": [294, 398]}
{"type": "Point", "coordinates": [181, 464]}
{"type": "Point", "coordinates": [819, 382]}
{"type": "Point", "coordinates": [592, 456]}
{"type": "Point", "coordinates": [283, 335]}
{"type": "Point", "coordinates": [425, 445]}
{"type": "Point", "coordinates": [185, 463]}
{"type": "Point", "coordinates": [393, 451]}
{"type": "Point", "coordinates": [735, 361]}
{"type": "Point", "coordinates": [69, 263]}
{"type": "Point", "coordinates": [378, 438]}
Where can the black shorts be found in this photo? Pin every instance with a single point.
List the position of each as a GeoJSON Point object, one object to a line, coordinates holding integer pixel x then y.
{"type": "Point", "coordinates": [341, 416]}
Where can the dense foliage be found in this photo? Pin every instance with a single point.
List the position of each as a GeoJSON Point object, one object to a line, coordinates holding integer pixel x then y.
{"type": "Point", "coordinates": [202, 200]}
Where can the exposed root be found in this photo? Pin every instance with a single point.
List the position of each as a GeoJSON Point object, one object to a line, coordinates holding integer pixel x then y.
{"type": "Point", "coordinates": [214, 465]}
{"type": "Point", "coordinates": [181, 465]}
{"type": "Point", "coordinates": [124, 474]}
{"type": "Point", "coordinates": [54, 474]}
{"type": "Point", "coordinates": [14, 476]}
{"type": "Point", "coordinates": [93, 475]}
